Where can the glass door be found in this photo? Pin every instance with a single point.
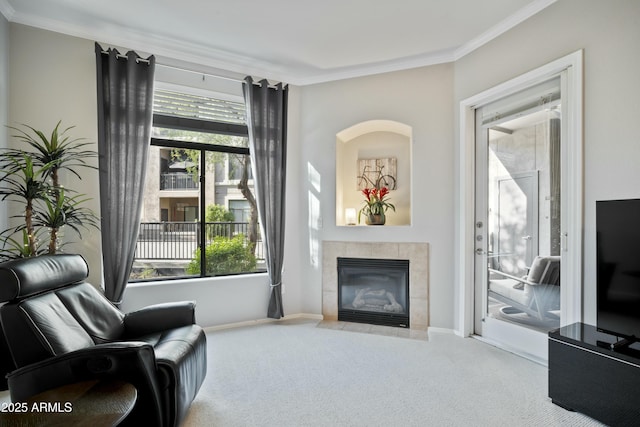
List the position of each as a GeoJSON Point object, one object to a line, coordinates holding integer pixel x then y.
{"type": "Point", "coordinates": [517, 273]}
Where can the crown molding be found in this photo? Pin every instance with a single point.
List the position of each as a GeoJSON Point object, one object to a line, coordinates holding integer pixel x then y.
{"type": "Point", "coordinates": [7, 10]}
{"type": "Point", "coordinates": [171, 49]}
{"type": "Point", "coordinates": [152, 44]}
{"type": "Point", "coordinates": [379, 68]}
{"type": "Point", "coordinates": [432, 58]}
{"type": "Point", "coordinates": [502, 27]}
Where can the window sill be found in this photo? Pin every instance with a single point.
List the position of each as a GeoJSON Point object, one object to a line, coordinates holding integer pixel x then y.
{"type": "Point", "coordinates": [194, 280]}
{"type": "Point", "coordinates": [374, 226]}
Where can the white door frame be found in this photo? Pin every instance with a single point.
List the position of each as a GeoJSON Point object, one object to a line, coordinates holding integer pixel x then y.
{"type": "Point", "coordinates": [572, 190]}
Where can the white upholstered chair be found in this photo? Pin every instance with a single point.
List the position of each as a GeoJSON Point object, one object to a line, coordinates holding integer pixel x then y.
{"type": "Point", "coordinates": [537, 294]}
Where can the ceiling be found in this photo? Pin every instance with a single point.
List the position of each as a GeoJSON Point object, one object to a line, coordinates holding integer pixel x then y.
{"type": "Point", "coordinates": [294, 41]}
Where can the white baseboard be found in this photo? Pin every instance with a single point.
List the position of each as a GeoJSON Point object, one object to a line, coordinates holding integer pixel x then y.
{"type": "Point", "coordinates": [262, 321]}
{"type": "Point", "coordinates": [310, 316]}
{"type": "Point", "coordinates": [513, 350]}
{"type": "Point", "coordinates": [433, 329]}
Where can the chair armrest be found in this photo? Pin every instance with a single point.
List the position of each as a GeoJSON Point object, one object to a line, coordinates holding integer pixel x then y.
{"type": "Point", "coordinates": [159, 317]}
{"type": "Point", "coordinates": [132, 362]}
{"type": "Point", "coordinates": [511, 276]}
{"type": "Point", "coordinates": [113, 360]}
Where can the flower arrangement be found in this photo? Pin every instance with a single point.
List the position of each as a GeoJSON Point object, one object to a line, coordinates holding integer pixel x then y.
{"type": "Point", "coordinates": [375, 205]}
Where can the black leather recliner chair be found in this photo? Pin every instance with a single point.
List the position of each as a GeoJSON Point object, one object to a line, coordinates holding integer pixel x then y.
{"type": "Point", "coordinates": [60, 330]}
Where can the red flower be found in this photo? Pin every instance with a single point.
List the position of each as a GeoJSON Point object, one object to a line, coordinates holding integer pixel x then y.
{"type": "Point", "coordinates": [366, 193]}
{"type": "Point", "coordinates": [374, 202]}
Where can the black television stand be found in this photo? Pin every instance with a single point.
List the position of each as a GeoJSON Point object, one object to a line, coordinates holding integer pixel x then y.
{"type": "Point", "coordinates": [619, 345]}
{"type": "Point", "coordinates": [623, 343]}
{"type": "Point", "coordinates": [593, 379]}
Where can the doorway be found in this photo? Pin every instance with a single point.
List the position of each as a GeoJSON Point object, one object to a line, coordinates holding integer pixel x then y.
{"type": "Point", "coordinates": [521, 200]}
{"type": "Point", "coordinates": [513, 221]}
{"type": "Point", "coordinates": [517, 193]}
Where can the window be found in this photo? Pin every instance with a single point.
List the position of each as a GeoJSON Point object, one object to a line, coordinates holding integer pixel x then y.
{"type": "Point", "coordinates": [199, 214]}
{"type": "Point", "coordinates": [241, 210]}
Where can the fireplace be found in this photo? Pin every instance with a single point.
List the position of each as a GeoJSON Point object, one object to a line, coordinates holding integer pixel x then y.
{"type": "Point", "coordinates": [374, 291]}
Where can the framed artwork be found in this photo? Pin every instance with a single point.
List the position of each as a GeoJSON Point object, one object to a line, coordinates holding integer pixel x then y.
{"type": "Point", "coordinates": [377, 173]}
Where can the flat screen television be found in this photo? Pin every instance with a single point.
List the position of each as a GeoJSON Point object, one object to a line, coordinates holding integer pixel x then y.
{"type": "Point", "coordinates": [618, 267]}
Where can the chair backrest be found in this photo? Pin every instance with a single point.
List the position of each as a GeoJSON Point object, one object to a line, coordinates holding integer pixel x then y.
{"type": "Point", "coordinates": [51, 310]}
{"type": "Point", "coordinates": [545, 270]}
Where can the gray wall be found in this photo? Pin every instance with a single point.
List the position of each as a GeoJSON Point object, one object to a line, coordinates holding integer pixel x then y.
{"type": "Point", "coordinates": [609, 34]}
{"type": "Point", "coordinates": [4, 99]}
{"type": "Point", "coordinates": [52, 78]}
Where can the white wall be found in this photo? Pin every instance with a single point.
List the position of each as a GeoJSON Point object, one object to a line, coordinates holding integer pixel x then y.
{"type": "Point", "coordinates": [419, 98]}
{"type": "Point", "coordinates": [219, 301]}
{"type": "Point", "coordinates": [609, 34]}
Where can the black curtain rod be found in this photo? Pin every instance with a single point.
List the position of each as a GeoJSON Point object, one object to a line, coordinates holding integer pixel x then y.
{"type": "Point", "coordinates": [119, 55]}
{"type": "Point", "coordinates": [271, 85]}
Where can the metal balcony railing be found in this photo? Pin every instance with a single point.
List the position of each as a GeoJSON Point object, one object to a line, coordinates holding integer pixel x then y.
{"type": "Point", "coordinates": [179, 240]}
{"type": "Point", "coordinates": [177, 181]}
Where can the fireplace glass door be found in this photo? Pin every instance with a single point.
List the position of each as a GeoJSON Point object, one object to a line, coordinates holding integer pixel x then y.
{"type": "Point", "coordinates": [374, 291]}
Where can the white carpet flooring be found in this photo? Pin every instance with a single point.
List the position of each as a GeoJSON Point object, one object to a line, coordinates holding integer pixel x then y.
{"type": "Point", "coordinates": [293, 373]}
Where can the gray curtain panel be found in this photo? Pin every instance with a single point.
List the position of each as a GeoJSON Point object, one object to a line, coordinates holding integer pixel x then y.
{"type": "Point", "coordinates": [267, 121]}
{"type": "Point", "coordinates": [125, 113]}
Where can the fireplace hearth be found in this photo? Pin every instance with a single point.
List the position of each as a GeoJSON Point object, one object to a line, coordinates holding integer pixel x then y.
{"type": "Point", "coordinates": [374, 291]}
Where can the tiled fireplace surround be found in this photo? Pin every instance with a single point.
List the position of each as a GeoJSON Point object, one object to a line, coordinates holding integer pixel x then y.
{"type": "Point", "coordinates": [416, 253]}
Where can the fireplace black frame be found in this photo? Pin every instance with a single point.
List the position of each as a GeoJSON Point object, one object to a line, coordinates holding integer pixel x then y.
{"type": "Point", "coordinates": [400, 320]}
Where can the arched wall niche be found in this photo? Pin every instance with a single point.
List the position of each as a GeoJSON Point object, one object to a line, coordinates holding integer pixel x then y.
{"type": "Point", "coordinates": [389, 144]}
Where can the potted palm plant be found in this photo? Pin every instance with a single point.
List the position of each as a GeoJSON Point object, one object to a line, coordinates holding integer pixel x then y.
{"type": "Point", "coordinates": [30, 176]}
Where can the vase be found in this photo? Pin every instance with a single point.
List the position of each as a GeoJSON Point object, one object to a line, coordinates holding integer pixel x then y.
{"type": "Point", "coordinates": [372, 219]}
